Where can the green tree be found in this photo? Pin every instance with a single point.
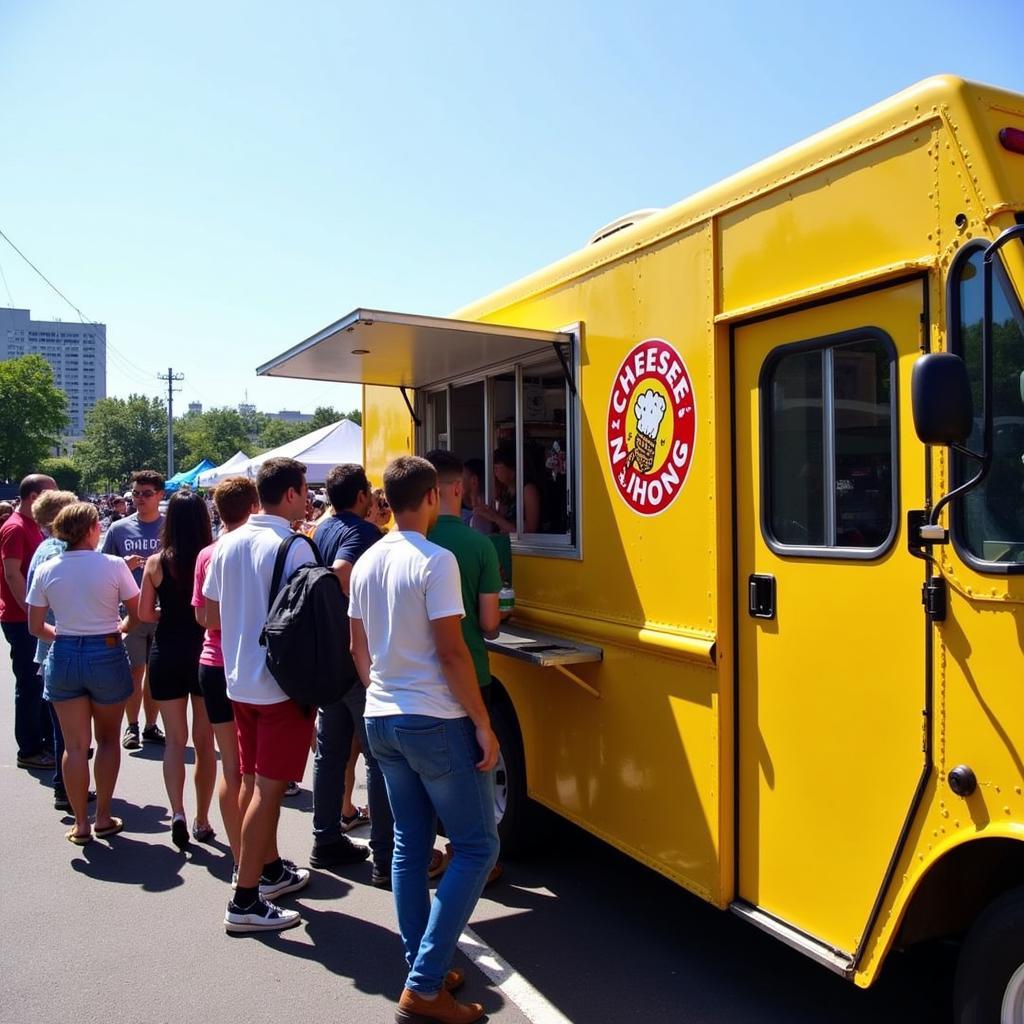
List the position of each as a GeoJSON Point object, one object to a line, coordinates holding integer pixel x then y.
{"type": "Point", "coordinates": [215, 434]}
{"type": "Point", "coordinates": [33, 412]}
{"type": "Point", "coordinates": [67, 474]}
{"type": "Point", "coordinates": [323, 416]}
{"type": "Point", "coordinates": [278, 432]}
{"type": "Point", "coordinates": [122, 435]}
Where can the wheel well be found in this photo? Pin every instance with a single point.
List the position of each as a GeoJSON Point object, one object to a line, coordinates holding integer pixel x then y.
{"type": "Point", "coordinates": [959, 886]}
{"type": "Point", "coordinates": [499, 693]}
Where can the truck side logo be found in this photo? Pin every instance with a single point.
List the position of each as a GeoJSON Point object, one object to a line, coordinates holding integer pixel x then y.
{"type": "Point", "coordinates": [651, 426]}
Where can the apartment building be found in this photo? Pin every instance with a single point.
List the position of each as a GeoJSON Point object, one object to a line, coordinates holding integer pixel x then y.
{"type": "Point", "coordinates": [76, 352]}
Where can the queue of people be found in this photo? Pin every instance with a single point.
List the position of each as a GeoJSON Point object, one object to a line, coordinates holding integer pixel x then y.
{"type": "Point", "coordinates": [166, 621]}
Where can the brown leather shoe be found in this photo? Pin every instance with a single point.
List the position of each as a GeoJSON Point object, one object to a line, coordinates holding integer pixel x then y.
{"type": "Point", "coordinates": [454, 979]}
{"type": "Point", "coordinates": [414, 1009]}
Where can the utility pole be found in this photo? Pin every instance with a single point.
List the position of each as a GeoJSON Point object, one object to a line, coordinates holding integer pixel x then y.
{"type": "Point", "coordinates": [171, 378]}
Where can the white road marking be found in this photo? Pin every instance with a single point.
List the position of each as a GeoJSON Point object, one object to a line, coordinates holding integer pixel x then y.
{"type": "Point", "coordinates": [509, 982]}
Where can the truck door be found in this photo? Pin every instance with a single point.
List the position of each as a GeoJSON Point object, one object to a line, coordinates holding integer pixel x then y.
{"type": "Point", "coordinates": [830, 626]}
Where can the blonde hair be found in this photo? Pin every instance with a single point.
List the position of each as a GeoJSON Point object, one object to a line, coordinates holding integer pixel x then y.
{"type": "Point", "coordinates": [49, 503]}
{"type": "Point", "coordinates": [74, 522]}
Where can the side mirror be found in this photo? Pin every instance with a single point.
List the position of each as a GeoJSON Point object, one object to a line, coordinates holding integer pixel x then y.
{"type": "Point", "coordinates": [941, 396]}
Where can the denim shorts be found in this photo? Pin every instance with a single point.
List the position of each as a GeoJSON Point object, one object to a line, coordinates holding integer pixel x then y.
{"type": "Point", "coordinates": [87, 666]}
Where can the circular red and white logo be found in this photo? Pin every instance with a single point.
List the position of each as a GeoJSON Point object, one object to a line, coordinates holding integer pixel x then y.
{"type": "Point", "coordinates": [652, 422]}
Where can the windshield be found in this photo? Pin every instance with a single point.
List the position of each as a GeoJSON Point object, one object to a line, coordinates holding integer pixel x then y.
{"type": "Point", "coordinates": [989, 521]}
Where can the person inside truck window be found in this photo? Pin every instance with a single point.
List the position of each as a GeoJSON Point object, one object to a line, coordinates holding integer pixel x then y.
{"type": "Point", "coordinates": [503, 516]}
{"type": "Point", "coordinates": [473, 495]}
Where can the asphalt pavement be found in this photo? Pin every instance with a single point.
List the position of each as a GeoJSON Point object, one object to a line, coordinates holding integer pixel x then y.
{"type": "Point", "coordinates": [130, 930]}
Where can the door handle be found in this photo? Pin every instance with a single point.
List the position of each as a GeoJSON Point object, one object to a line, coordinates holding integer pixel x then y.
{"type": "Point", "coordinates": [761, 596]}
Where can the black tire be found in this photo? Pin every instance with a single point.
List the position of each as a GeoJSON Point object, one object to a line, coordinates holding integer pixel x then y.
{"type": "Point", "coordinates": [515, 811]}
{"type": "Point", "coordinates": [992, 955]}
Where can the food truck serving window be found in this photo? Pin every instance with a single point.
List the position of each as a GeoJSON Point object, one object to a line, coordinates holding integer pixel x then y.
{"type": "Point", "coordinates": [515, 430]}
{"type": "Point", "coordinates": [829, 446]}
{"type": "Point", "coordinates": [988, 523]}
{"type": "Point", "coordinates": [503, 397]}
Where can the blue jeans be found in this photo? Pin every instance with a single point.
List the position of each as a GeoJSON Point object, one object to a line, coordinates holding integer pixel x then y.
{"type": "Point", "coordinates": [33, 731]}
{"type": "Point", "coordinates": [87, 666]}
{"type": "Point", "coordinates": [335, 726]}
{"type": "Point", "coordinates": [429, 766]}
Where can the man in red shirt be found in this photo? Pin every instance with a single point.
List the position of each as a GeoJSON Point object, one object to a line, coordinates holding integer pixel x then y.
{"type": "Point", "coordinates": [19, 538]}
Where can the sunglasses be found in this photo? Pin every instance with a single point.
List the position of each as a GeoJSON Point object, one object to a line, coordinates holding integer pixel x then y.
{"type": "Point", "coordinates": [143, 494]}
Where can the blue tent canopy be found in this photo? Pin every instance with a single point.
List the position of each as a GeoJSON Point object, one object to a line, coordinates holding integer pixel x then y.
{"type": "Point", "coordinates": [188, 476]}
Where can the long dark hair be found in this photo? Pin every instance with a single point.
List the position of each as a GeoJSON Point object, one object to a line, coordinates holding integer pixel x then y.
{"type": "Point", "coordinates": [185, 533]}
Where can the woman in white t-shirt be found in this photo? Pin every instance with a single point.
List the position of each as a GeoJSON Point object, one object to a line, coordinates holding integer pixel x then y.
{"type": "Point", "coordinates": [86, 673]}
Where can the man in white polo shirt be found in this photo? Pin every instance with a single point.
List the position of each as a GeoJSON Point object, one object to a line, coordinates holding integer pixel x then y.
{"type": "Point", "coordinates": [274, 733]}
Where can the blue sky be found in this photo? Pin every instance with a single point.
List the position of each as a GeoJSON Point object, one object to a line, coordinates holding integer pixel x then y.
{"type": "Point", "coordinates": [217, 181]}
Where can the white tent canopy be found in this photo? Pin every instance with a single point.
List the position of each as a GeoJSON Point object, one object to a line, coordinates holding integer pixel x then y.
{"type": "Point", "coordinates": [320, 451]}
{"type": "Point", "coordinates": [218, 473]}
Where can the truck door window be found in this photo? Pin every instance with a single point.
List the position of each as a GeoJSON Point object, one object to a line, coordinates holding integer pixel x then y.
{"type": "Point", "coordinates": [829, 447]}
{"type": "Point", "coordinates": [988, 524]}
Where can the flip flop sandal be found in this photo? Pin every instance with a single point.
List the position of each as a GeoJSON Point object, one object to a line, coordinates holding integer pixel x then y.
{"type": "Point", "coordinates": [71, 837]}
{"type": "Point", "coordinates": [202, 833]}
{"type": "Point", "coordinates": [116, 825]}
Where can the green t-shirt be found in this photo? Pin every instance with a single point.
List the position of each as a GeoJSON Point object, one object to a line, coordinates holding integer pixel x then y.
{"type": "Point", "coordinates": [478, 567]}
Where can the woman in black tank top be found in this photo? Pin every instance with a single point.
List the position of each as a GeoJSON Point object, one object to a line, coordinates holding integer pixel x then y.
{"type": "Point", "coordinates": [174, 660]}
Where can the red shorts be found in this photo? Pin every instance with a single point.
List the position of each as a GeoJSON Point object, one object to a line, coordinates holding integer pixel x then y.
{"type": "Point", "coordinates": [273, 739]}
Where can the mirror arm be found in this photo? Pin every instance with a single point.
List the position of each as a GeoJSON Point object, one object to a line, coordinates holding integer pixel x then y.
{"type": "Point", "coordinates": [963, 488]}
{"type": "Point", "coordinates": [985, 456]}
{"type": "Point", "coordinates": [967, 453]}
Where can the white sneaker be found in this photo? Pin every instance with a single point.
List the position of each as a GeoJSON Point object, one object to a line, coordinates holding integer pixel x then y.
{"type": "Point", "coordinates": [290, 880]}
{"type": "Point", "coordinates": [260, 916]}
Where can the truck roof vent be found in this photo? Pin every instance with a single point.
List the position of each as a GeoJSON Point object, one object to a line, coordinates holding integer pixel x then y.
{"type": "Point", "coordinates": [623, 222]}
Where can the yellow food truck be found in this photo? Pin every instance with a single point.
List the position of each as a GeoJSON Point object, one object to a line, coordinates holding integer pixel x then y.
{"type": "Point", "coordinates": [761, 457]}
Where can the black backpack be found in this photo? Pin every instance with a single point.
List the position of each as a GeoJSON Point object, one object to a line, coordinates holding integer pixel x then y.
{"type": "Point", "coordinates": [306, 633]}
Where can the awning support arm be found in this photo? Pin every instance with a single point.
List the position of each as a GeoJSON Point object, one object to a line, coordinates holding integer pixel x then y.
{"type": "Point", "coordinates": [412, 411]}
{"type": "Point", "coordinates": [566, 368]}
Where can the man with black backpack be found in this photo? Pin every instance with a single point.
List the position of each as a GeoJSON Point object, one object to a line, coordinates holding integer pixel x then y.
{"type": "Point", "coordinates": [274, 731]}
{"type": "Point", "coordinates": [342, 538]}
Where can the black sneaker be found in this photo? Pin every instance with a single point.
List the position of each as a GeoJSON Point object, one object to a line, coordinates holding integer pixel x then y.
{"type": "Point", "coordinates": [130, 740]}
{"type": "Point", "coordinates": [341, 851]}
{"type": "Point", "coordinates": [290, 880]}
{"type": "Point", "coordinates": [290, 865]}
{"type": "Point", "coordinates": [260, 916]}
{"type": "Point", "coordinates": [61, 801]}
{"type": "Point", "coordinates": [153, 734]}
{"type": "Point", "coordinates": [380, 878]}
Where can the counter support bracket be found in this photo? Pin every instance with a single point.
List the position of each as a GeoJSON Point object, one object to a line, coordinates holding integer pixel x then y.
{"type": "Point", "coordinates": [579, 682]}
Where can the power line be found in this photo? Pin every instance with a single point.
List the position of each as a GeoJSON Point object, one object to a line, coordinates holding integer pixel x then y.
{"type": "Point", "coordinates": [10, 297]}
{"type": "Point", "coordinates": [143, 374]}
{"type": "Point", "coordinates": [44, 277]}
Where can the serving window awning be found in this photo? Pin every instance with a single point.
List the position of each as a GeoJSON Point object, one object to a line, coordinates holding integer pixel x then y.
{"type": "Point", "coordinates": [401, 350]}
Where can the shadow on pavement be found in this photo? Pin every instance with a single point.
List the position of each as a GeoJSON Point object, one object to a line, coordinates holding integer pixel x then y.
{"type": "Point", "coordinates": [155, 752]}
{"type": "Point", "coordinates": [128, 861]}
{"type": "Point", "coordinates": [369, 954]}
{"type": "Point", "coordinates": [685, 959]}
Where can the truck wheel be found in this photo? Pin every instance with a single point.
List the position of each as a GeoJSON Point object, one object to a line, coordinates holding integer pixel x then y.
{"type": "Point", "coordinates": [989, 985]}
{"type": "Point", "coordinates": [514, 812]}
